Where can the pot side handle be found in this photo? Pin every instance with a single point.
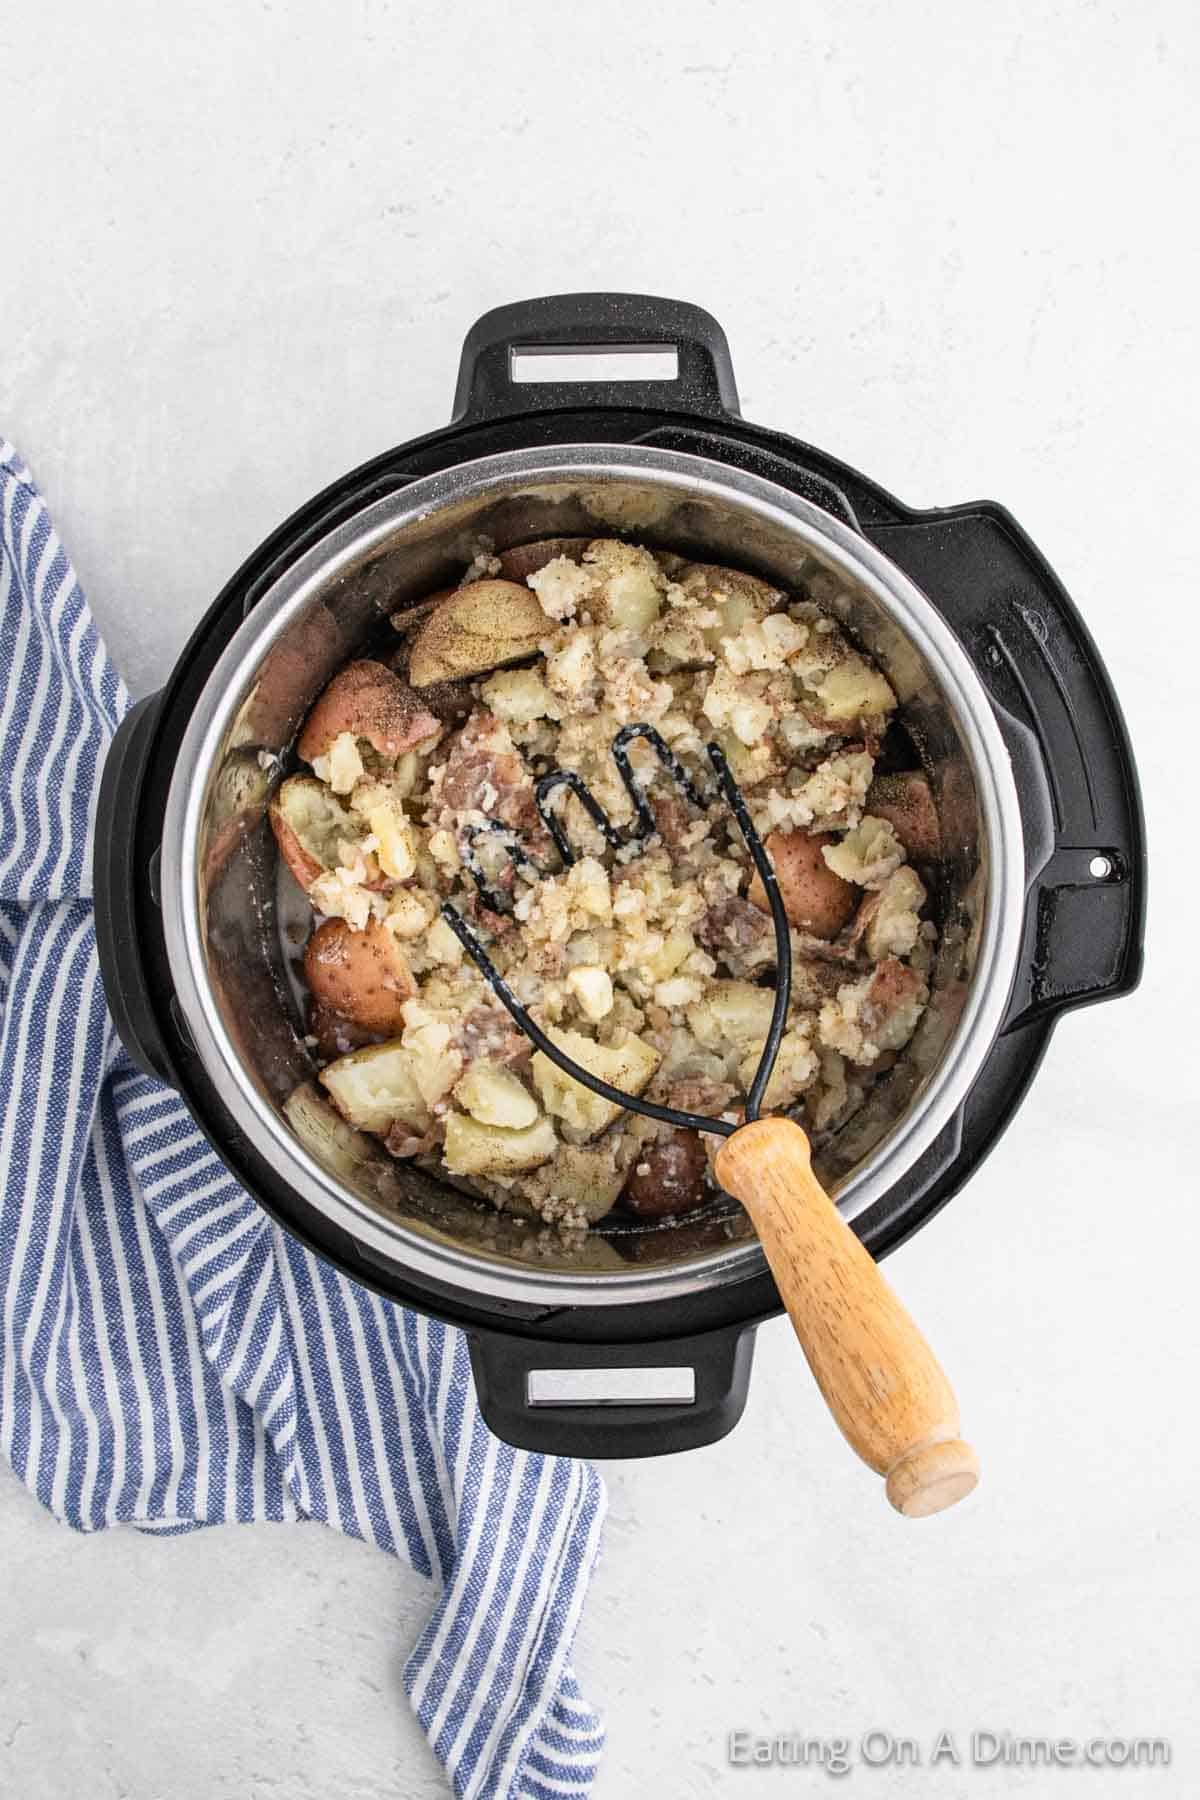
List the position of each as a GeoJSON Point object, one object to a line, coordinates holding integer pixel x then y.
{"type": "Point", "coordinates": [612, 1400]}
{"type": "Point", "coordinates": [117, 882]}
{"type": "Point", "coordinates": [499, 375]}
{"type": "Point", "coordinates": [1072, 756]}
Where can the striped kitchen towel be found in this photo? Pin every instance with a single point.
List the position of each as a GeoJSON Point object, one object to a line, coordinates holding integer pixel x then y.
{"type": "Point", "coordinates": [168, 1357]}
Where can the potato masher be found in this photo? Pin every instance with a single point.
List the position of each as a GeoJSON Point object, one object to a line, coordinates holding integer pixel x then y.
{"type": "Point", "coordinates": [881, 1381]}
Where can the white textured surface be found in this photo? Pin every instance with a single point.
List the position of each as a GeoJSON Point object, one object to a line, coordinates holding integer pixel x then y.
{"type": "Point", "coordinates": [242, 244]}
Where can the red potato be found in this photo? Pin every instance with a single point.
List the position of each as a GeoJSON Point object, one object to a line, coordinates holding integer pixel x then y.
{"type": "Point", "coordinates": [450, 699]}
{"type": "Point", "coordinates": [303, 865]}
{"type": "Point", "coordinates": [893, 1004]}
{"type": "Point", "coordinates": [362, 975]}
{"type": "Point", "coordinates": [524, 560]}
{"type": "Point", "coordinates": [309, 822]}
{"type": "Point", "coordinates": [484, 625]}
{"type": "Point", "coordinates": [368, 700]}
{"type": "Point", "coordinates": [906, 802]}
{"type": "Point", "coordinates": [668, 1177]}
{"type": "Point", "coordinates": [814, 898]}
{"type": "Point", "coordinates": [289, 674]}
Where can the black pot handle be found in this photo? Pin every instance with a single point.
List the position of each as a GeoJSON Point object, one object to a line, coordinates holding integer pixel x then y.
{"type": "Point", "coordinates": [495, 380]}
{"type": "Point", "coordinates": [606, 1400]}
{"type": "Point", "coordinates": [117, 882]}
{"type": "Point", "coordinates": [1072, 758]}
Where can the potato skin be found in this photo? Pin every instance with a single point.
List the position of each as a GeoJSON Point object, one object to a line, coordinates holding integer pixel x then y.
{"type": "Point", "coordinates": [524, 560]}
{"type": "Point", "coordinates": [449, 699]}
{"type": "Point", "coordinates": [668, 1177]}
{"type": "Point", "coordinates": [481, 626]}
{"type": "Point", "coordinates": [369, 700]}
{"type": "Point", "coordinates": [906, 802]}
{"type": "Point", "coordinates": [814, 898]}
{"type": "Point", "coordinates": [288, 674]}
{"type": "Point", "coordinates": [362, 975]}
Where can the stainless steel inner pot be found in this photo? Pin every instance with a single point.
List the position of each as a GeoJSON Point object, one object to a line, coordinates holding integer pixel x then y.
{"type": "Point", "coordinates": [226, 910]}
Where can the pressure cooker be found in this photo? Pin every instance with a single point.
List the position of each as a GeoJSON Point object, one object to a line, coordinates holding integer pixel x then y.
{"type": "Point", "coordinates": [617, 415]}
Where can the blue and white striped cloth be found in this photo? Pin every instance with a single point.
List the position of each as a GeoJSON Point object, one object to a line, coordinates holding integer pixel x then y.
{"type": "Point", "coordinates": [168, 1357]}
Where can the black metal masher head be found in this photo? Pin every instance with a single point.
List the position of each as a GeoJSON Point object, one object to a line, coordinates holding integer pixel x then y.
{"type": "Point", "coordinates": [642, 827]}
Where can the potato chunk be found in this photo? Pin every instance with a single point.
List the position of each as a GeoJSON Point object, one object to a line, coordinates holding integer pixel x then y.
{"type": "Point", "coordinates": [436, 1061]}
{"type": "Point", "coordinates": [875, 1014]}
{"type": "Point", "coordinates": [495, 1096]}
{"type": "Point", "coordinates": [631, 584]}
{"type": "Point", "coordinates": [628, 1066]}
{"type": "Point", "coordinates": [868, 855]}
{"type": "Point", "coordinates": [851, 695]}
{"type": "Point", "coordinates": [310, 825]}
{"type": "Point", "coordinates": [523, 560]}
{"type": "Point", "coordinates": [366, 700]}
{"type": "Point", "coordinates": [816, 897]}
{"type": "Point", "coordinates": [481, 626]}
{"type": "Point", "coordinates": [738, 597]}
{"type": "Point", "coordinates": [518, 696]}
{"type": "Point", "coordinates": [894, 924]}
{"type": "Point", "coordinates": [734, 1012]}
{"type": "Point", "coordinates": [323, 1132]}
{"type": "Point", "coordinates": [592, 987]}
{"type": "Point", "coordinates": [341, 765]}
{"type": "Point", "coordinates": [395, 840]}
{"type": "Point", "coordinates": [375, 1087]}
{"type": "Point", "coordinates": [473, 1148]}
{"type": "Point", "coordinates": [562, 587]}
{"type": "Point", "coordinates": [364, 975]}
{"type": "Point", "coordinates": [795, 1066]}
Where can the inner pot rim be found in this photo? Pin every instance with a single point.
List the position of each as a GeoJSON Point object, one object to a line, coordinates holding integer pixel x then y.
{"type": "Point", "coordinates": [219, 701]}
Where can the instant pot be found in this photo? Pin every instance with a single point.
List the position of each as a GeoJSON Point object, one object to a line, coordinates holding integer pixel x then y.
{"type": "Point", "coordinates": [639, 1338]}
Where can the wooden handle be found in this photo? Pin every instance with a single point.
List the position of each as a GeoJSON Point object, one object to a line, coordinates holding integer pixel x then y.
{"type": "Point", "coordinates": [883, 1383]}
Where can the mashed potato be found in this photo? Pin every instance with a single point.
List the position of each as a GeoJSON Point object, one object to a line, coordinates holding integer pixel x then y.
{"type": "Point", "coordinates": [649, 958]}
